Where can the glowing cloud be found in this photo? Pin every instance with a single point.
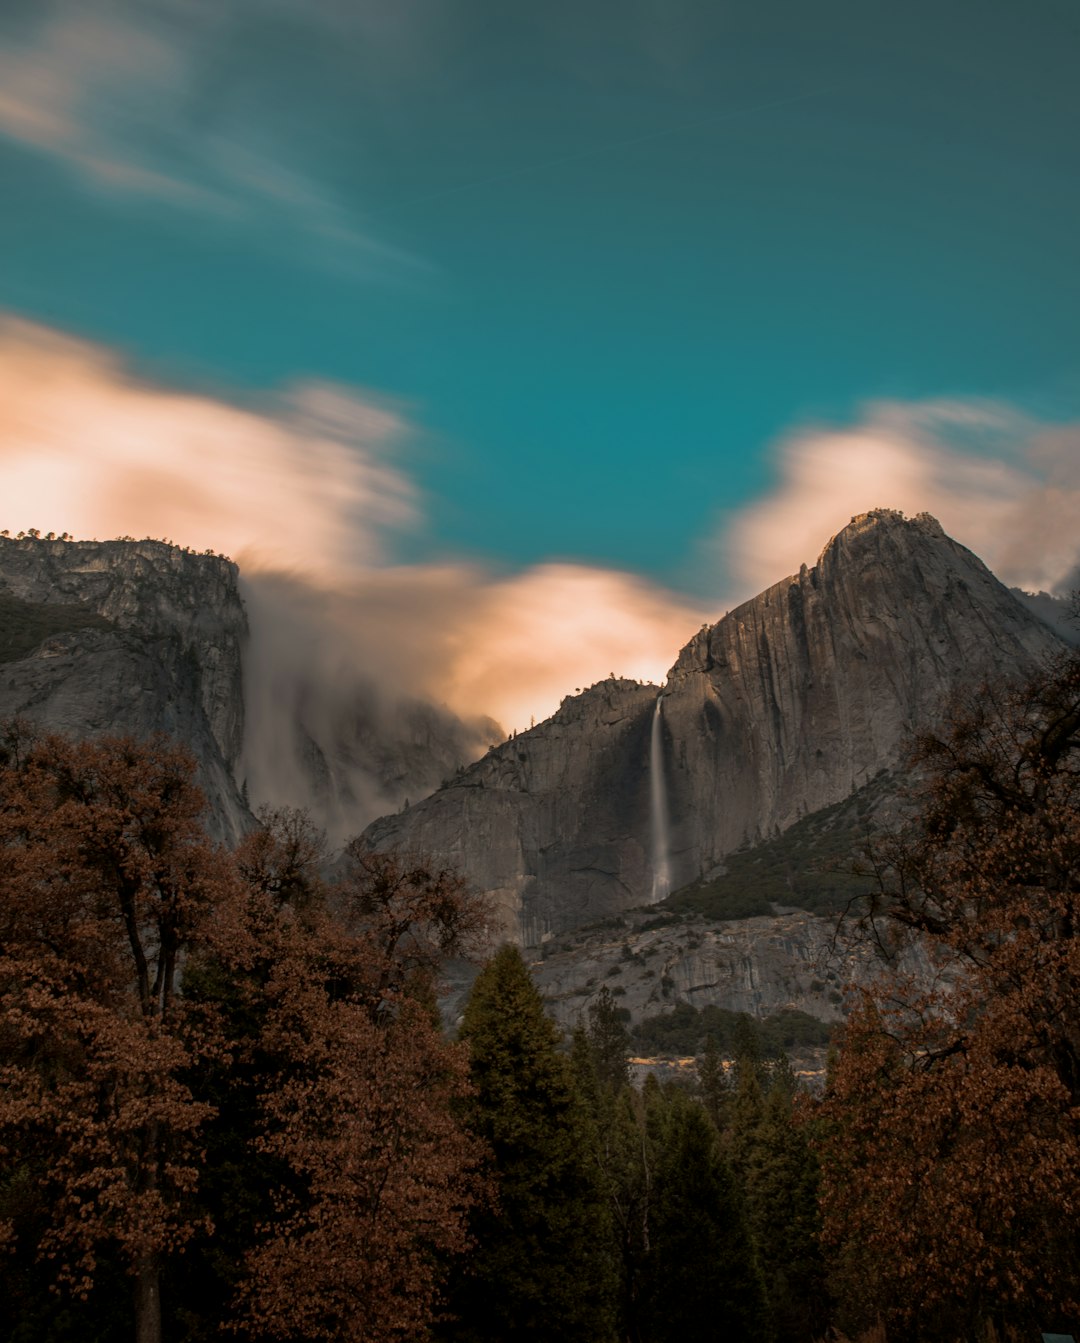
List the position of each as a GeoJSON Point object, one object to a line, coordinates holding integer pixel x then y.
{"type": "Point", "coordinates": [528, 635]}
{"type": "Point", "coordinates": [303, 481]}
{"type": "Point", "coordinates": [1005, 485]}
{"type": "Point", "coordinates": [306, 483]}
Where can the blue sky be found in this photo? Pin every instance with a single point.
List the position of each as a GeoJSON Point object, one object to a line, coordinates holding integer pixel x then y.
{"type": "Point", "coordinates": [614, 268]}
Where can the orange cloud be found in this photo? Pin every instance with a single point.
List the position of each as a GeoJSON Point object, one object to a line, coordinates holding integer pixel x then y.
{"type": "Point", "coordinates": [1003, 484]}
{"type": "Point", "coordinates": [306, 483]}
{"type": "Point", "coordinates": [88, 448]}
{"type": "Point", "coordinates": [533, 638]}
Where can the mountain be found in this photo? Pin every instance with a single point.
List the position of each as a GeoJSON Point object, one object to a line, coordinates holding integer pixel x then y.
{"type": "Point", "coordinates": [141, 637]}
{"type": "Point", "coordinates": [787, 705]}
{"type": "Point", "coordinates": [129, 637]}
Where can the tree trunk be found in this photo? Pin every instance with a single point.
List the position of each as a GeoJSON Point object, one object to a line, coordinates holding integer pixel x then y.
{"type": "Point", "coordinates": [148, 1303]}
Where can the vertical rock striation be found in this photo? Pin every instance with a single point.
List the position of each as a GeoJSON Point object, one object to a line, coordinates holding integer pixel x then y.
{"type": "Point", "coordinates": [804, 693]}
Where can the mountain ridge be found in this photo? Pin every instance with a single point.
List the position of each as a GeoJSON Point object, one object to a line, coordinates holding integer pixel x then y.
{"type": "Point", "coordinates": [789, 703]}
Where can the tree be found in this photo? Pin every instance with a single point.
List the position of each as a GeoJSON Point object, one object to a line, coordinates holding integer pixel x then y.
{"type": "Point", "coordinates": [106, 880]}
{"type": "Point", "coordinates": [609, 1042]}
{"type": "Point", "coordinates": [714, 1083]}
{"type": "Point", "coordinates": [951, 1127]}
{"type": "Point", "coordinates": [301, 1056]}
{"type": "Point", "coordinates": [378, 1174]}
{"type": "Point", "coordinates": [543, 1264]}
{"type": "Point", "coordinates": [702, 1279]}
{"type": "Point", "coordinates": [779, 1178]}
{"type": "Point", "coordinates": [341, 1090]}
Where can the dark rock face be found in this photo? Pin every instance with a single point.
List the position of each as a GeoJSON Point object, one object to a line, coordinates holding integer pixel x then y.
{"type": "Point", "coordinates": [554, 818]}
{"type": "Point", "coordinates": [787, 705]}
{"type": "Point", "coordinates": [128, 637]}
{"type": "Point", "coordinates": [803, 694]}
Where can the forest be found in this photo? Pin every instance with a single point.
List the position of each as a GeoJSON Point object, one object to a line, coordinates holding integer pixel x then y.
{"type": "Point", "coordinates": [229, 1106]}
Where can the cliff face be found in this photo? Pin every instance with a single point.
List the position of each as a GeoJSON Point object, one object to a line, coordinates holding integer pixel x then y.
{"type": "Point", "coordinates": [553, 819]}
{"type": "Point", "coordinates": [785, 706]}
{"type": "Point", "coordinates": [804, 693]}
{"type": "Point", "coordinates": [793, 960]}
{"type": "Point", "coordinates": [128, 637]}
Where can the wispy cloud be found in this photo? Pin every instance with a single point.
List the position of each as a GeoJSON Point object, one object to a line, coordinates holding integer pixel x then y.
{"type": "Point", "coordinates": [306, 479]}
{"type": "Point", "coordinates": [118, 94]}
{"type": "Point", "coordinates": [1002, 482]}
{"type": "Point", "coordinates": [310, 481]}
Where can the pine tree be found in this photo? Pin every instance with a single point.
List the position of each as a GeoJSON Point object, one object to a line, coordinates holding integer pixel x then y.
{"type": "Point", "coordinates": [609, 1041]}
{"type": "Point", "coordinates": [715, 1087]}
{"type": "Point", "coordinates": [543, 1266]}
{"type": "Point", "coordinates": [702, 1279]}
{"type": "Point", "coordinates": [780, 1188]}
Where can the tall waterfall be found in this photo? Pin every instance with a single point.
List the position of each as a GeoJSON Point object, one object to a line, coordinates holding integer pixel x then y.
{"type": "Point", "coordinates": [658, 810]}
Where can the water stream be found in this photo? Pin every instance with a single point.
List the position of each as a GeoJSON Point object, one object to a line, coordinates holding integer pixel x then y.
{"type": "Point", "coordinates": [658, 810]}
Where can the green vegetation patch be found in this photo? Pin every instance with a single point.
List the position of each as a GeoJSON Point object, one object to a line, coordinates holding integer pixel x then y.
{"type": "Point", "coordinates": [25, 625]}
{"type": "Point", "coordinates": [812, 865]}
{"type": "Point", "coordinates": [685, 1029]}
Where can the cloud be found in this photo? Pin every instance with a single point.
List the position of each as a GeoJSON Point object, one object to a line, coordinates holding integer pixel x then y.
{"type": "Point", "coordinates": [78, 88]}
{"type": "Point", "coordinates": [121, 96]}
{"type": "Point", "coordinates": [1003, 483]}
{"type": "Point", "coordinates": [309, 482]}
{"type": "Point", "coordinates": [305, 479]}
{"type": "Point", "coordinates": [526, 636]}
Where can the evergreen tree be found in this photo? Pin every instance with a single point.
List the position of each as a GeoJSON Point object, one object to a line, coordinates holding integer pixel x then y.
{"type": "Point", "coordinates": [713, 1081]}
{"type": "Point", "coordinates": [609, 1041]}
{"type": "Point", "coordinates": [780, 1187]}
{"type": "Point", "coordinates": [543, 1266]}
{"type": "Point", "coordinates": [702, 1280]}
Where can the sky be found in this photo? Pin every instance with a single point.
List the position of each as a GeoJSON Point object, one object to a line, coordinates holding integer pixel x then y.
{"type": "Point", "coordinates": [568, 324]}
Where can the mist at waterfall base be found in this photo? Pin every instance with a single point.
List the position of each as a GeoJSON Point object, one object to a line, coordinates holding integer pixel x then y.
{"type": "Point", "coordinates": [658, 809]}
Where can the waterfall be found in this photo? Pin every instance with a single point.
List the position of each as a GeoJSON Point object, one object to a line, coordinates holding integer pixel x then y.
{"type": "Point", "coordinates": [658, 810]}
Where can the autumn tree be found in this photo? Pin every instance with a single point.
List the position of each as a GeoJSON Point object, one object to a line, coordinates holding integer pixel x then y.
{"type": "Point", "coordinates": [344, 1090]}
{"type": "Point", "coordinates": [543, 1265]}
{"type": "Point", "coordinates": [106, 880]}
{"type": "Point", "coordinates": [298, 1055]}
{"type": "Point", "coordinates": [951, 1129]}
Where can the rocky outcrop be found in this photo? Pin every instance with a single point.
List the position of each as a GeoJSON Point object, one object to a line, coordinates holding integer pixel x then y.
{"type": "Point", "coordinates": [128, 637]}
{"type": "Point", "coordinates": [553, 818]}
{"type": "Point", "coordinates": [803, 694]}
{"type": "Point", "coordinates": [760, 966]}
{"type": "Point", "coordinates": [790, 703]}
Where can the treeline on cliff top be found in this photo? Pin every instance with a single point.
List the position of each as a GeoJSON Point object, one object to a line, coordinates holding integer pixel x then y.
{"type": "Point", "coordinates": [227, 1100]}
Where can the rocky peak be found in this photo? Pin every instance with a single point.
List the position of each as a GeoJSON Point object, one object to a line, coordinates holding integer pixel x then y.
{"type": "Point", "coordinates": [787, 705]}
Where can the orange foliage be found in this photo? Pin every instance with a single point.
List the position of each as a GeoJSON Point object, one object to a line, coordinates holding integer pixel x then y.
{"type": "Point", "coordinates": [105, 877]}
{"type": "Point", "coordinates": [316, 1000]}
{"type": "Point", "coordinates": [951, 1137]}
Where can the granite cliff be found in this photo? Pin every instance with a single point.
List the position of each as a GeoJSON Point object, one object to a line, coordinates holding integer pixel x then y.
{"type": "Point", "coordinates": [787, 705]}
{"type": "Point", "coordinates": [128, 637]}
{"type": "Point", "coordinates": [141, 637]}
